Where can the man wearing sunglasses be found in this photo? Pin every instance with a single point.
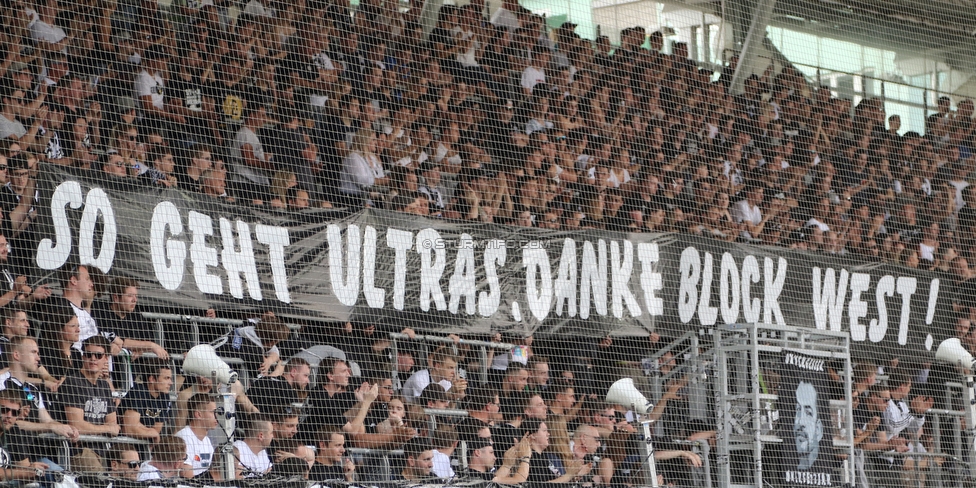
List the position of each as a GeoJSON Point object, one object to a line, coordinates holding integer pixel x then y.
{"type": "Point", "coordinates": [87, 396]}
{"type": "Point", "coordinates": [123, 462]}
{"type": "Point", "coordinates": [15, 450]}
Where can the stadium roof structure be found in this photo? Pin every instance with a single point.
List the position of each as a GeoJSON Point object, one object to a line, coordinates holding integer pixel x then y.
{"type": "Point", "coordinates": [942, 31]}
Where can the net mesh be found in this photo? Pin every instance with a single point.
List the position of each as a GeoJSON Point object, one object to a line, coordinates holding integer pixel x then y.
{"type": "Point", "coordinates": [591, 243]}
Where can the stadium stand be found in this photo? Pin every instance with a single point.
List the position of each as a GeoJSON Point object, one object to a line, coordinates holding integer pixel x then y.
{"type": "Point", "coordinates": [301, 112]}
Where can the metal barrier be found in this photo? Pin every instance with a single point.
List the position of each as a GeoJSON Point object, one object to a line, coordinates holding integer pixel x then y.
{"type": "Point", "coordinates": [703, 474]}
{"type": "Point", "coordinates": [940, 476]}
{"type": "Point", "coordinates": [64, 459]}
{"type": "Point", "coordinates": [384, 454]}
{"type": "Point", "coordinates": [935, 468]}
{"type": "Point", "coordinates": [193, 320]}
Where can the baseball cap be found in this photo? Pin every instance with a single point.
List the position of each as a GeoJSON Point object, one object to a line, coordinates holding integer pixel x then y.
{"type": "Point", "coordinates": [17, 67]}
{"type": "Point", "coordinates": [125, 104]}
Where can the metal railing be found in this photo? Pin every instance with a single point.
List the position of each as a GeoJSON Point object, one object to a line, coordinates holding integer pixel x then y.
{"type": "Point", "coordinates": [383, 455]}
{"type": "Point", "coordinates": [821, 72]}
{"type": "Point", "coordinates": [702, 476]}
{"type": "Point", "coordinates": [64, 454]}
{"type": "Point", "coordinates": [193, 321]}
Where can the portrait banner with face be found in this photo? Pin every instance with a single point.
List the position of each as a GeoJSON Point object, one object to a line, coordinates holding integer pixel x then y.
{"type": "Point", "coordinates": [805, 422]}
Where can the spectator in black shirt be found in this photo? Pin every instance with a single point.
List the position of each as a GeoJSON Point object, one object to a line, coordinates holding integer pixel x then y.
{"type": "Point", "coordinates": [199, 160]}
{"type": "Point", "coordinates": [419, 460]}
{"type": "Point", "coordinates": [14, 442]}
{"type": "Point", "coordinates": [544, 466]}
{"type": "Point", "coordinates": [15, 287]}
{"type": "Point", "coordinates": [87, 396]}
{"type": "Point", "coordinates": [159, 170]}
{"type": "Point", "coordinates": [353, 63]}
{"type": "Point", "coordinates": [57, 356]}
{"type": "Point", "coordinates": [293, 149]}
{"type": "Point", "coordinates": [270, 393]}
{"type": "Point", "coordinates": [147, 409]}
{"type": "Point", "coordinates": [18, 199]}
{"type": "Point", "coordinates": [184, 96]}
{"type": "Point", "coordinates": [284, 427]}
{"type": "Point", "coordinates": [226, 95]}
{"type": "Point", "coordinates": [334, 404]}
{"type": "Point", "coordinates": [506, 434]}
{"type": "Point", "coordinates": [481, 460]}
{"type": "Point", "coordinates": [330, 463]}
{"type": "Point", "coordinates": [121, 318]}
{"type": "Point", "coordinates": [123, 462]}
{"type": "Point", "coordinates": [25, 360]}
{"type": "Point", "coordinates": [333, 137]}
{"type": "Point", "coordinates": [308, 65]}
{"type": "Point", "coordinates": [482, 405]}
{"type": "Point", "coordinates": [379, 431]}
{"type": "Point", "coordinates": [87, 399]}
{"type": "Point", "coordinates": [15, 324]}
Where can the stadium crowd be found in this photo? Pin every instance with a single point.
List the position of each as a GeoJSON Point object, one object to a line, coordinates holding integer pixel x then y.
{"type": "Point", "coordinates": [296, 104]}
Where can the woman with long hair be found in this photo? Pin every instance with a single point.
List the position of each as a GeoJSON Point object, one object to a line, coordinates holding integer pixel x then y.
{"type": "Point", "coordinates": [363, 171]}
{"type": "Point", "coordinates": [57, 355]}
{"type": "Point", "coordinates": [125, 141]}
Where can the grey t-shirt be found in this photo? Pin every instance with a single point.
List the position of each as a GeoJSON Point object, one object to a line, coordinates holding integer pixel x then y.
{"type": "Point", "coordinates": [243, 172]}
{"type": "Point", "coordinates": [11, 128]}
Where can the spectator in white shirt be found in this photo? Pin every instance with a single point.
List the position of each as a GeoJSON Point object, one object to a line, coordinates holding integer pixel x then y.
{"type": "Point", "coordinates": [253, 166]}
{"type": "Point", "coordinates": [253, 447]}
{"type": "Point", "coordinates": [535, 72]}
{"type": "Point", "coordinates": [150, 88]}
{"type": "Point", "coordinates": [747, 212]}
{"type": "Point", "coordinates": [49, 36]}
{"type": "Point", "coordinates": [362, 170]}
{"type": "Point", "coordinates": [505, 15]}
{"type": "Point", "coordinates": [12, 105]}
{"type": "Point", "coordinates": [443, 373]}
{"type": "Point", "coordinates": [444, 441]}
{"type": "Point", "coordinates": [199, 448]}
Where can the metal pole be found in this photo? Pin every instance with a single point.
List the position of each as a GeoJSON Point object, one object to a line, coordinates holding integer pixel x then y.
{"type": "Point", "coordinates": [756, 389]}
{"type": "Point", "coordinates": [849, 410]}
{"type": "Point", "coordinates": [428, 15]}
{"type": "Point", "coordinates": [230, 425]}
{"type": "Point", "coordinates": [754, 37]}
{"type": "Point", "coordinates": [484, 364]}
{"type": "Point", "coordinates": [395, 360]}
{"type": "Point", "coordinates": [937, 442]}
{"type": "Point", "coordinates": [706, 48]}
{"type": "Point", "coordinates": [647, 452]}
{"type": "Point", "coordinates": [721, 409]}
{"type": "Point", "coordinates": [970, 409]}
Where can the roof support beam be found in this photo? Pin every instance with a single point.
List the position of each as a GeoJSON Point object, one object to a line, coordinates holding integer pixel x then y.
{"type": "Point", "coordinates": [428, 15]}
{"type": "Point", "coordinates": [758, 12]}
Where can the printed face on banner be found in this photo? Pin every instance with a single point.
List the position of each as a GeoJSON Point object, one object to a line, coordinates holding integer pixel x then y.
{"type": "Point", "coordinates": [807, 426]}
{"type": "Point", "coordinates": [804, 391]}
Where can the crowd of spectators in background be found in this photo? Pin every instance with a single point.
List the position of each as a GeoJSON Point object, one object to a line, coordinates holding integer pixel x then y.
{"type": "Point", "coordinates": [288, 105]}
{"type": "Point", "coordinates": [494, 119]}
